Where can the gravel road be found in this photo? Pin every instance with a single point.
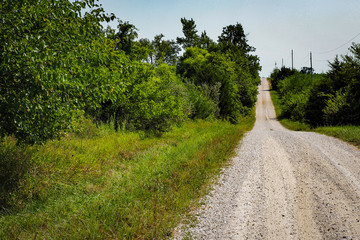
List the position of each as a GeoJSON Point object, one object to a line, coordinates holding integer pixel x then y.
{"type": "Point", "coordinates": [283, 185]}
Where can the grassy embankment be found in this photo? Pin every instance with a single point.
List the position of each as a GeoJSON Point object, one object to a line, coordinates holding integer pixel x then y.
{"type": "Point", "coordinates": [115, 185]}
{"type": "Point", "coordinates": [349, 134]}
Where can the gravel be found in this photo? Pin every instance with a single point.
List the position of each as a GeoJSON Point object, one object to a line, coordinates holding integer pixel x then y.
{"type": "Point", "coordinates": [282, 185]}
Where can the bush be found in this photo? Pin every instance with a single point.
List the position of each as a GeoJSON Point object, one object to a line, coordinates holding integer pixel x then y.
{"type": "Point", "coordinates": [201, 67]}
{"type": "Point", "coordinates": [203, 101]}
{"type": "Point", "coordinates": [336, 109]}
{"type": "Point", "coordinates": [279, 74]}
{"type": "Point", "coordinates": [295, 92]}
{"type": "Point", "coordinates": [336, 99]}
{"type": "Point", "coordinates": [153, 101]}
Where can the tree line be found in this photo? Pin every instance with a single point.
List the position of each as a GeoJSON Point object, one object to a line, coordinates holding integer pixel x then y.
{"type": "Point", "coordinates": [59, 65]}
{"type": "Point", "coordinates": [322, 99]}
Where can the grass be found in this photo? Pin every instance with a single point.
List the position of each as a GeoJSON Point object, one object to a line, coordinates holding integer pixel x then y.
{"type": "Point", "coordinates": [119, 185]}
{"type": "Point", "coordinates": [349, 134]}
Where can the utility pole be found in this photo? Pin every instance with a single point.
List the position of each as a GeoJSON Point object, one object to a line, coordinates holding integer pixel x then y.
{"type": "Point", "coordinates": [275, 65]}
{"type": "Point", "coordinates": [311, 66]}
{"type": "Point", "coordinates": [282, 63]}
{"type": "Point", "coordinates": [292, 59]}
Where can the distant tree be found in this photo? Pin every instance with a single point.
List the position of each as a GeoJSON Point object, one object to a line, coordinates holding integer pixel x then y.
{"type": "Point", "coordinates": [233, 37]}
{"type": "Point", "coordinates": [191, 38]}
{"type": "Point", "coordinates": [125, 36]}
{"type": "Point", "coordinates": [279, 74]}
{"type": "Point", "coordinates": [307, 70]}
{"type": "Point", "coordinates": [206, 42]}
{"type": "Point", "coordinates": [143, 51]}
{"type": "Point", "coordinates": [165, 51]}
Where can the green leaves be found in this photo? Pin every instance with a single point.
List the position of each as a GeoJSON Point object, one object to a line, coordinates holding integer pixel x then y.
{"type": "Point", "coordinates": [55, 65]}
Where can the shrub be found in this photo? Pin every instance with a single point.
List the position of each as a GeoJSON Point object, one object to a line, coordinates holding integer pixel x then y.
{"type": "Point", "coordinates": [336, 109]}
{"type": "Point", "coordinates": [203, 101]}
{"type": "Point", "coordinates": [201, 67]}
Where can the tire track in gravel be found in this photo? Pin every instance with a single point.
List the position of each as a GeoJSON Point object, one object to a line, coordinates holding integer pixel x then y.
{"type": "Point", "coordinates": [283, 185]}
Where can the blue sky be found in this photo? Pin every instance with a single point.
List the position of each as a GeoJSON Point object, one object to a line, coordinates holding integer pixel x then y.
{"type": "Point", "coordinates": [274, 27]}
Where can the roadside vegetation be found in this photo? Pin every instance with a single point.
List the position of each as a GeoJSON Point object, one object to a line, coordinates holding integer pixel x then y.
{"type": "Point", "coordinates": [109, 185]}
{"type": "Point", "coordinates": [104, 135]}
{"type": "Point", "coordinates": [326, 103]}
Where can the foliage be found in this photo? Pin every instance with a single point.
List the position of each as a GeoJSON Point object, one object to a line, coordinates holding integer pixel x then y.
{"type": "Point", "coordinates": [203, 100]}
{"type": "Point", "coordinates": [336, 99]}
{"type": "Point", "coordinates": [286, 122]}
{"type": "Point", "coordinates": [201, 67]}
{"type": "Point", "coordinates": [279, 74]}
{"type": "Point", "coordinates": [294, 92]}
{"type": "Point", "coordinates": [165, 51]}
{"type": "Point", "coordinates": [191, 38]}
{"type": "Point", "coordinates": [119, 186]}
{"type": "Point", "coordinates": [233, 37]}
{"type": "Point", "coordinates": [49, 56]}
{"type": "Point", "coordinates": [125, 37]}
{"type": "Point", "coordinates": [60, 66]}
{"type": "Point", "coordinates": [328, 99]}
{"type": "Point", "coordinates": [153, 100]}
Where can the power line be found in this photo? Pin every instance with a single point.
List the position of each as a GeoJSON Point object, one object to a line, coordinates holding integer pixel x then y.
{"type": "Point", "coordinates": [340, 46]}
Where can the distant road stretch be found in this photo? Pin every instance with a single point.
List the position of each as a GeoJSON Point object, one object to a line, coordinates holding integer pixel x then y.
{"type": "Point", "coordinates": [283, 185]}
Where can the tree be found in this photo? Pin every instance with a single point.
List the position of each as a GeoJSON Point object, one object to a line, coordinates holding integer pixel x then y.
{"type": "Point", "coordinates": [54, 62]}
{"type": "Point", "coordinates": [191, 38]}
{"type": "Point", "coordinates": [214, 69]}
{"type": "Point", "coordinates": [279, 74]}
{"type": "Point", "coordinates": [233, 37]}
{"type": "Point", "coordinates": [206, 42]}
{"type": "Point", "coordinates": [143, 50]}
{"type": "Point", "coordinates": [307, 70]}
{"type": "Point", "coordinates": [125, 36]}
{"type": "Point", "coordinates": [165, 51]}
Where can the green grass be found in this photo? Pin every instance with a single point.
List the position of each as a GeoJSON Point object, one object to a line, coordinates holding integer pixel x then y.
{"type": "Point", "coordinates": [119, 185]}
{"type": "Point", "coordinates": [349, 134]}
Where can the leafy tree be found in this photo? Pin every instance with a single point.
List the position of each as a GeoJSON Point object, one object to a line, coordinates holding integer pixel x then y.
{"type": "Point", "coordinates": [153, 101]}
{"type": "Point", "coordinates": [206, 42]}
{"type": "Point", "coordinates": [213, 69]}
{"type": "Point", "coordinates": [307, 70]}
{"type": "Point", "coordinates": [50, 53]}
{"type": "Point", "coordinates": [143, 50]}
{"type": "Point", "coordinates": [338, 95]}
{"type": "Point", "coordinates": [191, 38]}
{"type": "Point", "coordinates": [279, 74]}
{"type": "Point", "coordinates": [233, 42]}
{"type": "Point", "coordinates": [234, 38]}
{"type": "Point", "coordinates": [125, 36]}
{"type": "Point", "coordinates": [165, 51]}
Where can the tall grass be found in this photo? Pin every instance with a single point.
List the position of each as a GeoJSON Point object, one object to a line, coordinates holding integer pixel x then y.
{"type": "Point", "coordinates": [120, 185]}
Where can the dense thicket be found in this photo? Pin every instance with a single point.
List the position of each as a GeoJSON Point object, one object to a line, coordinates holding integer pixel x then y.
{"type": "Point", "coordinates": [58, 66]}
{"type": "Point", "coordinates": [327, 99]}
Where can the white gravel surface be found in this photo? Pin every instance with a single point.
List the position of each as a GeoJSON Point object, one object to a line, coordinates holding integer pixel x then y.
{"type": "Point", "coordinates": [283, 185]}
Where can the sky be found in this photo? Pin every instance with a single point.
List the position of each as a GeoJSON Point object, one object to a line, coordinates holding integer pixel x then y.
{"type": "Point", "coordinates": [274, 27]}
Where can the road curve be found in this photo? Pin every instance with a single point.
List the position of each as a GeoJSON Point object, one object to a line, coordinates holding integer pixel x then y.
{"type": "Point", "coordinates": [283, 185]}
